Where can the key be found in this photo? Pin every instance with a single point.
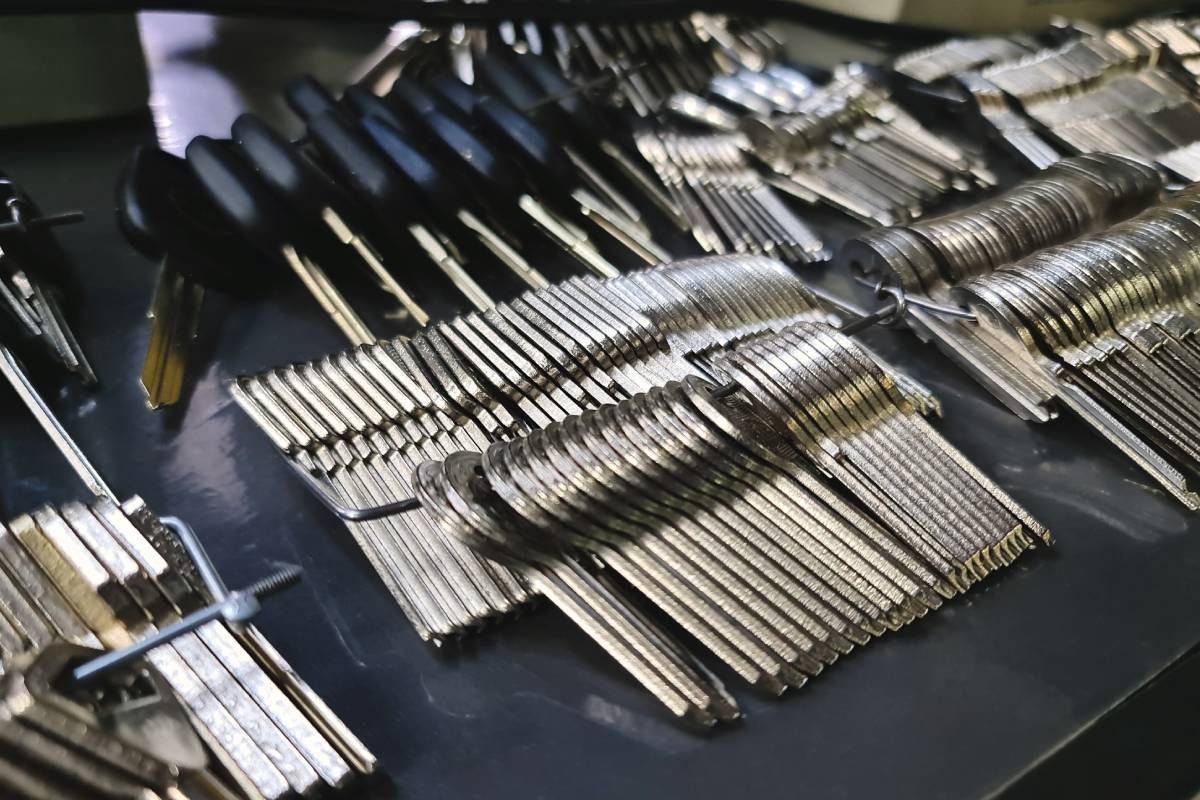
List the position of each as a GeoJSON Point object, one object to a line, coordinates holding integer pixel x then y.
{"type": "Point", "coordinates": [812, 564]}
{"type": "Point", "coordinates": [679, 686]}
{"type": "Point", "coordinates": [786, 629]}
{"type": "Point", "coordinates": [594, 337]}
{"type": "Point", "coordinates": [332, 752]}
{"type": "Point", "coordinates": [358, 161]}
{"type": "Point", "coordinates": [553, 177]}
{"type": "Point", "coordinates": [371, 484]}
{"type": "Point", "coordinates": [932, 255]}
{"type": "Point", "coordinates": [565, 115]}
{"type": "Point", "coordinates": [477, 162]}
{"type": "Point", "coordinates": [15, 374]}
{"type": "Point", "coordinates": [165, 214]}
{"type": "Point", "coordinates": [697, 613]}
{"type": "Point", "coordinates": [452, 204]}
{"type": "Point", "coordinates": [240, 194]}
{"type": "Point", "coordinates": [47, 603]}
{"type": "Point", "coordinates": [849, 544]}
{"type": "Point", "coordinates": [713, 171]}
{"type": "Point", "coordinates": [312, 194]}
{"type": "Point", "coordinates": [1075, 300]}
{"type": "Point", "coordinates": [242, 690]}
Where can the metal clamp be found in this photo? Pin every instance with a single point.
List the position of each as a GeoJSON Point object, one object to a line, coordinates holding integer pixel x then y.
{"type": "Point", "coordinates": [236, 607]}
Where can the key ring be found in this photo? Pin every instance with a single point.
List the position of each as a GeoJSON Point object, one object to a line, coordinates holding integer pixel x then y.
{"type": "Point", "coordinates": [903, 299]}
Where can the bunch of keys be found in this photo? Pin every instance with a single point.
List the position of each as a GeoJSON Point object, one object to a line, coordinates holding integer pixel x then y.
{"type": "Point", "coordinates": [124, 737]}
{"type": "Point", "coordinates": [1110, 322]}
{"type": "Point", "coordinates": [645, 62]}
{"type": "Point", "coordinates": [28, 296]}
{"type": "Point", "coordinates": [928, 259]}
{"type": "Point", "coordinates": [730, 207]}
{"type": "Point", "coordinates": [429, 152]}
{"type": "Point", "coordinates": [940, 61]}
{"type": "Point", "coordinates": [840, 409]}
{"type": "Point", "coordinates": [111, 574]}
{"type": "Point", "coordinates": [355, 425]}
{"type": "Point", "coordinates": [690, 494]}
{"type": "Point", "coordinates": [1126, 90]}
{"type": "Point", "coordinates": [1006, 122]}
{"type": "Point", "coordinates": [844, 143]}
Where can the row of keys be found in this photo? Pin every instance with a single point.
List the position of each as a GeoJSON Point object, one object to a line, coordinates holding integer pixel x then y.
{"type": "Point", "coordinates": [365, 419]}
{"type": "Point", "coordinates": [712, 507]}
{"type": "Point", "coordinates": [1112, 319]}
{"type": "Point", "coordinates": [844, 143]}
{"type": "Point", "coordinates": [107, 575]}
{"type": "Point", "coordinates": [639, 65]}
{"type": "Point", "coordinates": [1124, 90]}
{"type": "Point", "coordinates": [1072, 197]}
{"type": "Point", "coordinates": [419, 153]}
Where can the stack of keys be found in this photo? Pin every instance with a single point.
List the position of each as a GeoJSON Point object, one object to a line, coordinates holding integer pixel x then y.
{"type": "Point", "coordinates": [28, 295]}
{"type": "Point", "coordinates": [364, 419]}
{"type": "Point", "coordinates": [653, 61]}
{"type": "Point", "coordinates": [842, 411]}
{"type": "Point", "coordinates": [1008, 124]}
{"type": "Point", "coordinates": [699, 505]}
{"type": "Point", "coordinates": [1111, 320]}
{"type": "Point", "coordinates": [728, 204]}
{"type": "Point", "coordinates": [109, 575]}
{"type": "Point", "coordinates": [126, 737]}
{"type": "Point", "coordinates": [647, 61]}
{"type": "Point", "coordinates": [1070, 198]}
{"type": "Point", "coordinates": [845, 143]}
{"type": "Point", "coordinates": [1127, 90]}
{"type": "Point", "coordinates": [940, 61]}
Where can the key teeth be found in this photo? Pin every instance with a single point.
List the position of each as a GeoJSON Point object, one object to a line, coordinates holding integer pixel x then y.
{"type": "Point", "coordinates": [773, 685]}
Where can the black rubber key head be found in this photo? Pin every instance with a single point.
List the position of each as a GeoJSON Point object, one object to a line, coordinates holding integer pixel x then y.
{"type": "Point", "coordinates": [307, 97]}
{"type": "Point", "coordinates": [286, 170]}
{"type": "Point", "coordinates": [361, 165]}
{"type": "Point", "coordinates": [162, 209]}
{"type": "Point", "coordinates": [241, 195]}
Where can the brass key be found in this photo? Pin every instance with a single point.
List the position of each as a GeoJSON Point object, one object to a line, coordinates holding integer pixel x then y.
{"type": "Point", "coordinates": [165, 215]}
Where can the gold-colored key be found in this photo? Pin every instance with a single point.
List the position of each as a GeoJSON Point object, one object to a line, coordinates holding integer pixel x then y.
{"type": "Point", "coordinates": [174, 319]}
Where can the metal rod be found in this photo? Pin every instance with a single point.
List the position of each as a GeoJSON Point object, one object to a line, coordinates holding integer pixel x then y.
{"type": "Point", "coordinates": [323, 493]}
{"type": "Point", "coordinates": [874, 318]}
{"type": "Point", "coordinates": [75, 457]}
{"type": "Point", "coordinates": [204, 565]}
{"type": "Point", "coordinates": [47, 221]}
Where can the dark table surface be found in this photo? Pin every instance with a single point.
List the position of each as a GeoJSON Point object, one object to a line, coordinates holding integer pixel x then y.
{"type": "Point", "coordinates": [957, 705]}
